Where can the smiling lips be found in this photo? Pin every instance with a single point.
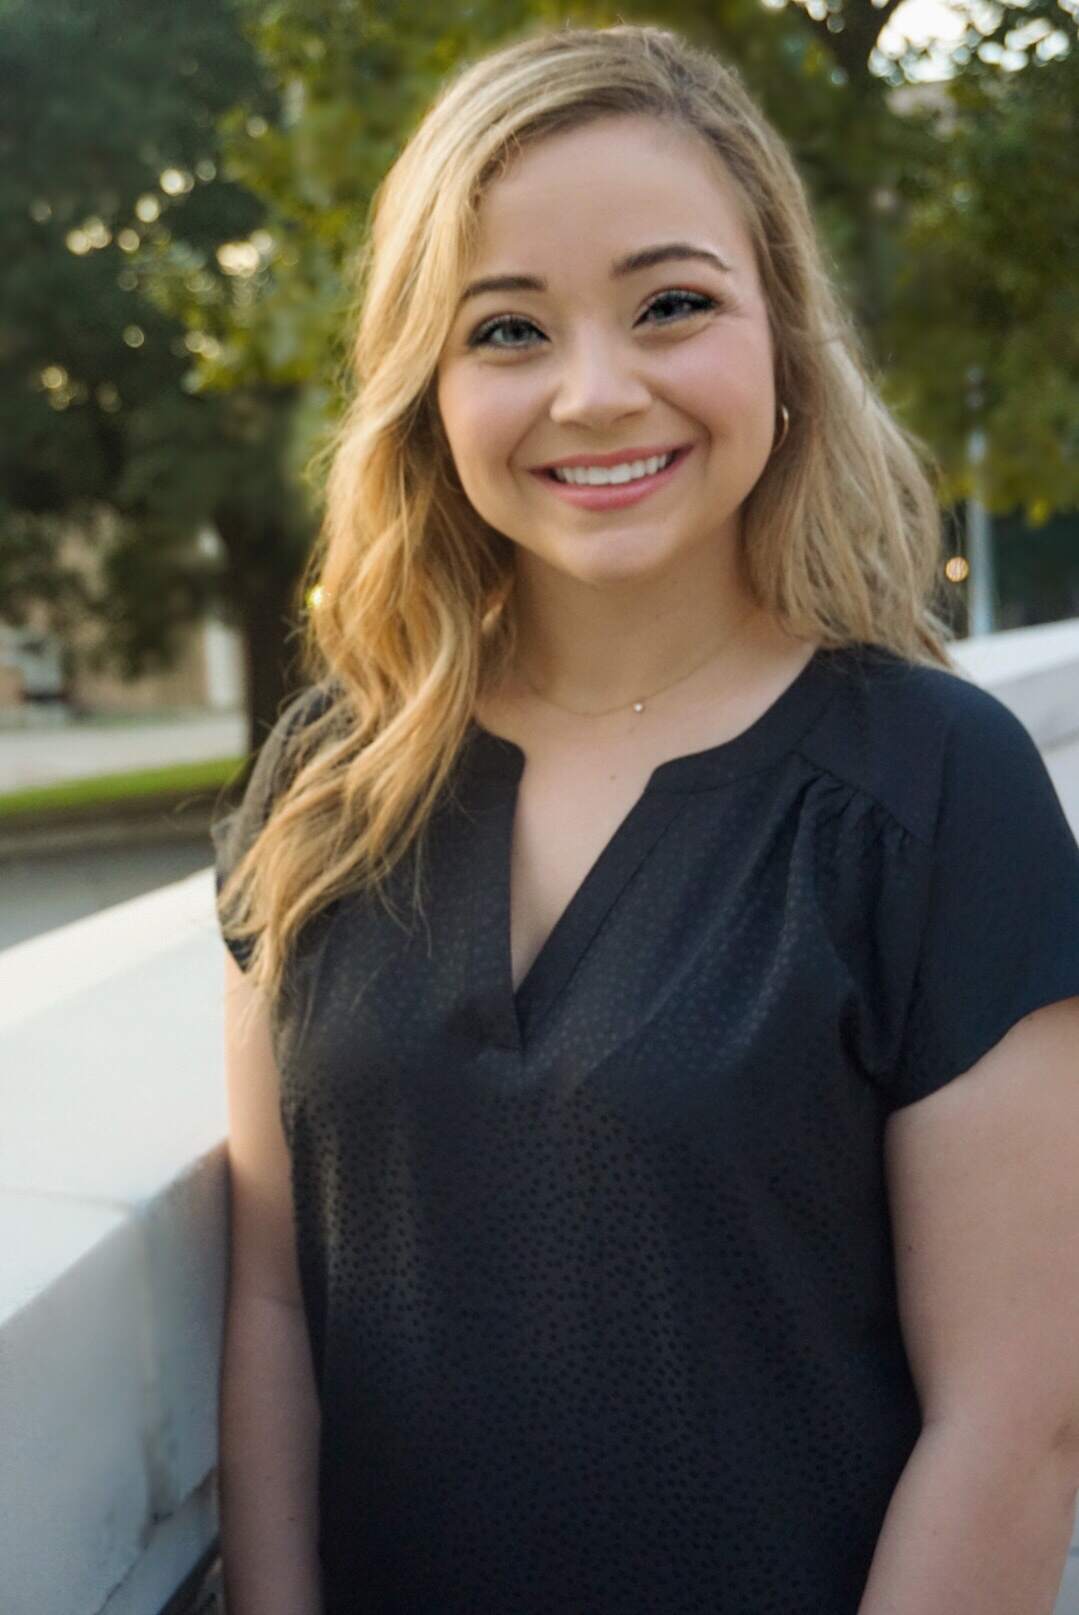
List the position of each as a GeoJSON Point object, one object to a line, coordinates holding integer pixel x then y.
{"type": "Point", "coordinates": [613, 495]}
{"type": "Point", "coordinates": [601, 461]}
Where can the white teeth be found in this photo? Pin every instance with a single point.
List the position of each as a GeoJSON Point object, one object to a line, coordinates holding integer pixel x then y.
{"type": "Point", "coordinates": [597, 476]}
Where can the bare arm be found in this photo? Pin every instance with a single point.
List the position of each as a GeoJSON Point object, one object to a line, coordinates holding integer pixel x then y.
{"type": "Point", "coordinates": [976, 1526]}
{"type": "Point", "coordinates": [985, 1211]}
{"type": "Point", "coordinates": [269, 1414]}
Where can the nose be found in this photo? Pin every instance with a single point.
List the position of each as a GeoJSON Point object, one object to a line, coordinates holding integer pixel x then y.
{"type": "Point", "coordinates": [599, 381]}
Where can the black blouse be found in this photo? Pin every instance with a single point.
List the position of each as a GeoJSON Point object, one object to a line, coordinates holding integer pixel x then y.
{"type": "Point", "coordinates": [598, 1274]}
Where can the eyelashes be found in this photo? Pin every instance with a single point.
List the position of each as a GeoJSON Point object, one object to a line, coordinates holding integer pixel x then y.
{"type": "Point", "coordinates": [481, 338]}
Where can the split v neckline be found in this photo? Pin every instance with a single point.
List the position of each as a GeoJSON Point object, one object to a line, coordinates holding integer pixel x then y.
{"type": "Point", "coordinates": [512, 1016]}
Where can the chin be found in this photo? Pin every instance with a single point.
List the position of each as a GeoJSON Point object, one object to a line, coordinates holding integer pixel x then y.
{"type": "Point", "coordinates": [616, 566]}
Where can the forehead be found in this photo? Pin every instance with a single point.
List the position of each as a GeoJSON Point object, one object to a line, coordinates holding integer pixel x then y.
{"type": "Point", "coordinates": [616, 183]}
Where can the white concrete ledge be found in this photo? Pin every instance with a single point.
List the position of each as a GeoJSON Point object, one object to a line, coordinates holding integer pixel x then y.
{"type": "Point", "coordinates": [112, 1216]}
{"type": "Point", "coordinates": [1035, 671]}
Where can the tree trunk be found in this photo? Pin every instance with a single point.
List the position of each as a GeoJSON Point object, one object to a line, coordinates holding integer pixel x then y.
{"type": "Point", "coordinates": [263, 600]}
{"type": "Point", "coordinates": [268, 618]}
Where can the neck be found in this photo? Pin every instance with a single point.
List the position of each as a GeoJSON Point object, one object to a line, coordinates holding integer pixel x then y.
{"type": "Point", "coordinates": [589, 648]}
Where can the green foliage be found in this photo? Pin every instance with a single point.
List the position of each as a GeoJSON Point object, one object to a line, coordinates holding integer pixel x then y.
{"type": "Point", "coordinates": [988, 281]}
{"type": "Point", "coordinates": [109, 172]}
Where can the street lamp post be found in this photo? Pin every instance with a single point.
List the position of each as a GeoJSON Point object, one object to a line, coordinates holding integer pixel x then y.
{"type": "Point", "coordinates": [982, 587]}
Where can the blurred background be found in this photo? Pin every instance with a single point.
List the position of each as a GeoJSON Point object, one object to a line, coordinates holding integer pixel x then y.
{"type": "Point", "coordinates": [181, 190]}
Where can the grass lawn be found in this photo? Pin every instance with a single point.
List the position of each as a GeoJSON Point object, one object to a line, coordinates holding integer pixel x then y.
{"type": "Point", "coordinates": [149, 785]}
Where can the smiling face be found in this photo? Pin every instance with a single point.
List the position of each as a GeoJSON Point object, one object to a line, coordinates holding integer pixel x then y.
{"type": "Point", "coordinates": [662, 355]}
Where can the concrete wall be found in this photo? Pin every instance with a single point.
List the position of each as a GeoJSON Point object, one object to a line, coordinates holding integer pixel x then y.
{"type": "Point", "coordinates": [112, 1218]}
{"type": "Point", "coordinates": [112, 1206]}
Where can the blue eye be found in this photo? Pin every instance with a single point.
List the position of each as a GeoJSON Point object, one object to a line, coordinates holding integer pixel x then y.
{"type": "Point", "coordinates": [696, 303]}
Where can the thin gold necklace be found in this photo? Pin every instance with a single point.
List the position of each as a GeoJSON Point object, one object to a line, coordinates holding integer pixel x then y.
{"type": "Point", "coordinates": [638, 705]}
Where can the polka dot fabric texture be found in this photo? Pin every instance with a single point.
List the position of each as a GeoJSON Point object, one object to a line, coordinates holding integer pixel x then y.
{"type": "Point", "coordinates": [598, 1274]}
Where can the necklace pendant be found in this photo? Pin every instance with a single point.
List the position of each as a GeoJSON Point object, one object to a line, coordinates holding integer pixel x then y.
{"type": "Point", "coordinates": [638, 706]}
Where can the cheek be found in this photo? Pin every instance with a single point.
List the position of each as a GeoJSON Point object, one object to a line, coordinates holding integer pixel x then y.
{"type": "Point", "coordinates": [730, 380]}
{"type": "Point", "coordinates": [480, 425]}
{"type": "Point", "coordinates": [724, 385]}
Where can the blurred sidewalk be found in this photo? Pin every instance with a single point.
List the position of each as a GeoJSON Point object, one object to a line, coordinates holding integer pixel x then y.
{"type": "Point", "coordinates": [58, 869]}
{"type": "Point", "coordinates": [56, 752]}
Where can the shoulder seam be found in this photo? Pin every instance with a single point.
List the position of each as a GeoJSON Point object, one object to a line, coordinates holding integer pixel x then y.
{"type": "Point", "coordinates": [871, 796]}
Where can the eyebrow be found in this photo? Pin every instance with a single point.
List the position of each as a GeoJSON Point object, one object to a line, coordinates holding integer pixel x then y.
{"type": "Point", "coordinates": [646, 258]}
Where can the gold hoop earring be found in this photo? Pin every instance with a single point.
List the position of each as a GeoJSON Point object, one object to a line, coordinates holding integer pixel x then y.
{"type": "Point", "coordinates": [785, 412]}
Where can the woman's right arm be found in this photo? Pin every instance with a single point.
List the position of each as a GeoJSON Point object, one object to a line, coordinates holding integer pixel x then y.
{"type": "Point", "coordinates": [269, 1413]}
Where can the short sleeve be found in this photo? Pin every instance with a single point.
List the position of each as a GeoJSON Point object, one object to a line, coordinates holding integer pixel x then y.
{"type": "Point", "coordinates": [233, 832]}
{"type": "Point", "coordinates": [1000, 916]}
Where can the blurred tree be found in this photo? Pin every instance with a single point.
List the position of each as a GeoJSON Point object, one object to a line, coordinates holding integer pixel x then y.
{"type": "Point", "coordinates": [109, 163]}
{"type": "Point", "coordinates": [987, 280]}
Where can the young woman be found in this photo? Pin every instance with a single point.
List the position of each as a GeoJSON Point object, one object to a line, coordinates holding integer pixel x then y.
{"type": "Point", "coordinates": [652, 1076]}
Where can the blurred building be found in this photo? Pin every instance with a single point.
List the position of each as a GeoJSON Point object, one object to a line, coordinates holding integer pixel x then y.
{"type": "Point", "coordinates": [43, 669]}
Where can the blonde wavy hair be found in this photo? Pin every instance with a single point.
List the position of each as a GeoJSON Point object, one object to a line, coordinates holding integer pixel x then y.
{"type": "Point", "coordinates": [842, 532]}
